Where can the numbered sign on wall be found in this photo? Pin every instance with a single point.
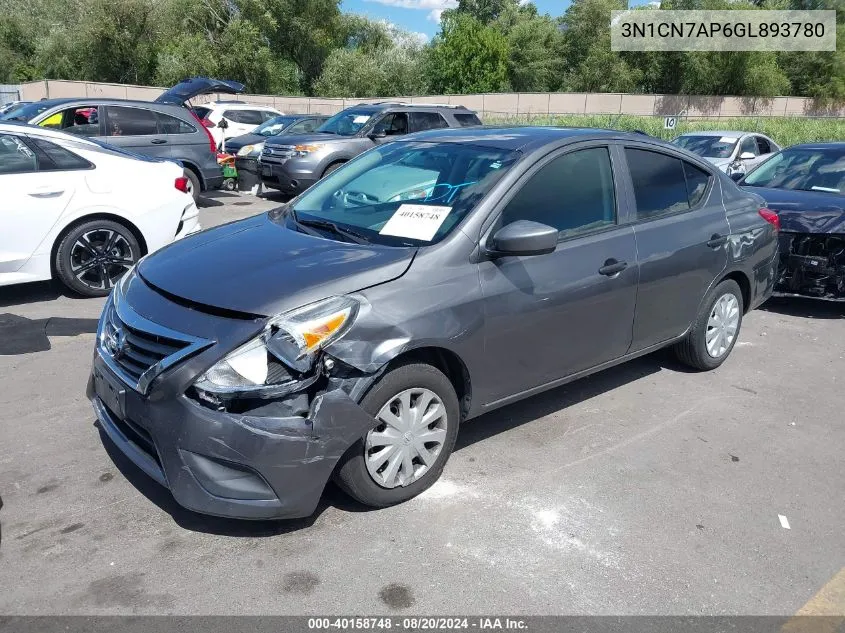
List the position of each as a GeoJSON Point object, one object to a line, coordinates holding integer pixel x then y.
{"type": "Point", "coordinates": [670, 122]}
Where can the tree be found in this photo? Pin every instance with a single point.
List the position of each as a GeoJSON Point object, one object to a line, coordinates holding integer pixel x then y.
{"type": "Point", "coordinates": [467, 57]}
{"type": "Point", "coordinates": [485, 11]}
{"type": "Point", "coordinates": [535, 43]}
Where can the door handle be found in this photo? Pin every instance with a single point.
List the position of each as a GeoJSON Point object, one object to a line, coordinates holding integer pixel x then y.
{"type": "Point", "coordinates": [158, 141]}
{"type": "Point", "coordinates": [612, 267]}
{"type": "Point", "coordinates": [46, 194]}
{"type": "Point", "coordinates": [717, 240]}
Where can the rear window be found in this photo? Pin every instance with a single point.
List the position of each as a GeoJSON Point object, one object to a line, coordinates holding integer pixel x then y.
{"type": "Point", "coordinates": [467, 119]}
{"type": "Point", "coordinates": [247, 117]}
{"type": "Point", "coordinates": [201, 112]}
{"type": "Point", "coordinates": [59, 159]}
{"type": "Point", "coordinates": [124, 121]}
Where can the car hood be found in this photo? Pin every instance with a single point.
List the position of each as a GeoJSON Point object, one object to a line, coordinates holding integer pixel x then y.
{"type": "Point", "coordinates": [721, 163]}
{"type": "Point", "coordinates": [307, 139]}
{"type": "Point", "coordinates": [195, 86]}
{"type": "Point", "coordinates": [805, 211]}
{"type": "Point", "coordinates": [259, 266]}
{"type": "Point", "coordinates": [237, 142]}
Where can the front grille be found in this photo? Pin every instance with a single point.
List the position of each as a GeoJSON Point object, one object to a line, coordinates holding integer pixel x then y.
{"type": "Point", "coordinates": [277, 153]}
{"type": "Point", "coordinates": [138, 350]}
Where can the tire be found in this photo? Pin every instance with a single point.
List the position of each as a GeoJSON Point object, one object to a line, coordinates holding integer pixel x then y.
{"type": "Point", "coordinates": [195, 188]}
{"type": "Point", "coordinates": [74, 266]}
{"type": "Point", "coordinates": [693, 349]}
{"type": "Point", "coordinates": [353, 474]}
{"type": "Point", "coordinates": [331, 168]}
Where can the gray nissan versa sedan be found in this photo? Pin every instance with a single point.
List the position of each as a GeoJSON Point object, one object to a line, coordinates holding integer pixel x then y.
{"type": "Point", "coordinates": [348, 333]}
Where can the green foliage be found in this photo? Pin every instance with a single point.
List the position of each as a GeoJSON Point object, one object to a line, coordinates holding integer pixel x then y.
{"type": "Point", "coordinates": [784, 130]}
{"type": "Point", "coordinates": [467, 56]}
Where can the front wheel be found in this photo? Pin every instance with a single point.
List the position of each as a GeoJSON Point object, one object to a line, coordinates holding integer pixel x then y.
{"type": "Point", "coordinates": [93, 256]}
{"type": "Point", "coordinates": [415, 423]}
{"type": "Point", "coordinates": [713, 335]}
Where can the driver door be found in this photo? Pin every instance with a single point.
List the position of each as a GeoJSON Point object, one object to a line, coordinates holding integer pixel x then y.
{"type": "Point", "coordinates": [391, 125]}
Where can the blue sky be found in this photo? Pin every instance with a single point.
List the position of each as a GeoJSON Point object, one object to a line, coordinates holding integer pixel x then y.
{"type": "Point", "coordinates": [422, 16]}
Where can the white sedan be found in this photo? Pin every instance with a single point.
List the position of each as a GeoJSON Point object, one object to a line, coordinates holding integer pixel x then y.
{"type": "Point", "coordinates": [81, 211]}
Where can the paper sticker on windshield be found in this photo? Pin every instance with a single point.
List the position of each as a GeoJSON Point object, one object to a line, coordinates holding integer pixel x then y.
{"type": "Point", "coordinates": [417, 221]}
{"type": "Point", "coordinates": [727, 139]}
{"type": "Point", "coordinates": [361, 118]}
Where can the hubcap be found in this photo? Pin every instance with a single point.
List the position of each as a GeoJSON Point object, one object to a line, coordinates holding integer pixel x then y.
{"type": "Point", "coordinates": [408, 439]}
{"type": "Point", "coordinates": [100, 257]}
{"type": "Point", "coordinates": [722, 325]}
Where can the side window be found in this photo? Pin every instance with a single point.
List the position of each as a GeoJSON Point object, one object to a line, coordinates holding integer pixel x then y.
{"type": "Point", "coordinates": [59, 158]}
{"type": "Point", "coordinates": [82, 121]}
{"type": "Point", "coordinates": [748, 145]}
{"type": "Point", "coordinates": [15, 156]}
{"type": "Point", "coordinates": [763, 146]}
{"type": "Point", "coordinates": [266, 115]}
{"type": "Point", "coordinates": [427, 121]}
{"type": "Point", "coordinates": [573, 193]}
{"type": "Point", "coordinates": [467, 120]}
{"type": "Point", "coordinates": [301, 127]}
{"type": "Point", "coordinates": [172, 125]}
{"type": "Point", "coordinates": [247, 117]}
{"type": "Point", "coordinates": [393, 124]}
{"type": "Point", "coordinates": [697, 181]}
{"type": "Point", "coordinates": [124, 121]}
{"type": "Point", "coordinates": [660, 185]}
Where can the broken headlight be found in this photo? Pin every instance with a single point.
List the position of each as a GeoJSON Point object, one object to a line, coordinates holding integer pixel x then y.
{"type": "Point", "coordinates": [274, 362]}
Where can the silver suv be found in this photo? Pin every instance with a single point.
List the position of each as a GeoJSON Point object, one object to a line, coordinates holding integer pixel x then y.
{"type": "Point", "coordinates": [293, 165]}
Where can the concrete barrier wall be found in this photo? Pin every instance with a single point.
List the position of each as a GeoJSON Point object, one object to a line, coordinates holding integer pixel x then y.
{"type": "Point", "coordinates": [503, 105]}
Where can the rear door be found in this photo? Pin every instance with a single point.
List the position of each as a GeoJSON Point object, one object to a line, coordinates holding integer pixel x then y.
{"type": "Point", "coordinates": [38, 179]}
{"type": "Point", "coordinates": [681, 232]}
{"type": "Point", "coordinates": [421, 121]}
{"type": "Point", "coordinates": [136, 129]}
{"type": "Point", "coordinates": [550, 316]}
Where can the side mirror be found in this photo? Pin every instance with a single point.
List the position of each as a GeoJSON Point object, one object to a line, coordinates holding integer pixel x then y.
{"type": "Point", "coordinates": [374, 135]}
{"type": "Point", "coordinates": [747, 156]}
{"type": "Point", "coordinates": [736, 176]}
{"type": "Point", "coordinates": [524, 237]}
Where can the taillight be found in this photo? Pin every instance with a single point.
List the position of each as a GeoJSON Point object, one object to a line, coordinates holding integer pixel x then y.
{"type": "Point", "coordinates": [207, 123]}
{"type": "Point", "coordinates": [212, 144]}
{"type": "Point", "coordinates": [771, 217]}
{"type": "Point", "coordinates": [182, 184]}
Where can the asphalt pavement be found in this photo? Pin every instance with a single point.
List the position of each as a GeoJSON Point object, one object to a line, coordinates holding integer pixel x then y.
{"type": "Point", "coordinates": [646, 489]}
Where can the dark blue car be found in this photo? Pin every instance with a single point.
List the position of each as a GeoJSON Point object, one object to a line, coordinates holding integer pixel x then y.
{"type": "Point", "coordinates": [805, 186]}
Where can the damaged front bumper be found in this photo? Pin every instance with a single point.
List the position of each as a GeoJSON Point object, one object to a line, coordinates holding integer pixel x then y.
{"type": "Point", "coordinates": [811, 265]}
{"type": "Point", "coordinates": [263, 462]}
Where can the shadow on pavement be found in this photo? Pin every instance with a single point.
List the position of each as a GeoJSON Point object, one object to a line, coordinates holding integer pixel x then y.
{"type": "Point", "coordinates": [206, 524]}
{"type": "Point", "coordinates": [807, 308]}
{"type": "Point", "coordinates": [21, 335]}
{"type": "Point", "coordinates": [33, 292]}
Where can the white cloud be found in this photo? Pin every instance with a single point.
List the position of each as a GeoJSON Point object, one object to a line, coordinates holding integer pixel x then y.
{"type": "Point", "coordinates": [435, 15]}
{"type": "Point", "coordinates": [420, 4]}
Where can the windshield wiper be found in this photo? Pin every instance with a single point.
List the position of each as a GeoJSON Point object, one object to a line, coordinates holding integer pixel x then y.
{"type": "Point", "coordinates": [352, 236]}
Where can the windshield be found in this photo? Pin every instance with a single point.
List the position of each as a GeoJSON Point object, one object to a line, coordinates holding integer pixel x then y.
{"type": "Point", "coordinates": [27, 112]}
{"type": "Point", "coordinates": [405, 193]}
{"type": "Point", "coordinates": [817, 169]}
{"type": "Point", "coordinates": [346, 123]}
{"type": "Point", "coordinates": [273, 126]}
{"type": "Point", "coordinates": [708, 146]}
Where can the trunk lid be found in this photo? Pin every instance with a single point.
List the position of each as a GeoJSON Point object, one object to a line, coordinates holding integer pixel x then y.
{"type": "Point", "coordinates": [189, 88]}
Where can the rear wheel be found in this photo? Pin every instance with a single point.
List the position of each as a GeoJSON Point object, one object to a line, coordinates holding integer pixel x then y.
{"type": "Point", "coordinates": [93, 256]}
{"type": "Point", "coordinates": [713, 335]}
{"type": "Point", "coordinates": [415, 423]}
{"type": "Point", "coordinates": [194, 186]}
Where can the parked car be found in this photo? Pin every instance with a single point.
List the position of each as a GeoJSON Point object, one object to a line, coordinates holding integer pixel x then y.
{"type": "Point", "coordinates": [228, 119]}
{"type": "Point", "coordinates": [292, 167]}
{"type": "Point", "coordinates": [82, 211]}
{"type": "Point", "coordinates": [247, 147]}
{"type": "Point", "coordinates": [347, 335]}
{"type": "Point", "coordinates": [805, 186]}
{"type": "Point", "coordinates": [162, 129]}
{"type": "Point", "coordinates": [735, 153]}
{"type": "Point", "coordinates": [12, 105]}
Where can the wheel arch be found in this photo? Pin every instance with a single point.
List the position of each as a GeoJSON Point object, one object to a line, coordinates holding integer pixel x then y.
{"type": "Point", "coordinates": [188, 164]}
{"type": "Point", "coordinates": [448, 362]}
{"type": "Point", "coordinates": [337, 161]}
{"type": "Point", "coordinates": [744, 284]}
{"type": "Point", "coordinates": [100, 215]}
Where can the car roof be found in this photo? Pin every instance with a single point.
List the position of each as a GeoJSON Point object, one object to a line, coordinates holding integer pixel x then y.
{"type": "Point", "coordinates": [525, 138]}
{"type": "Point", "coordinates": [235, 105]}
{"type": "Point", "coordinates": [25, 128]}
